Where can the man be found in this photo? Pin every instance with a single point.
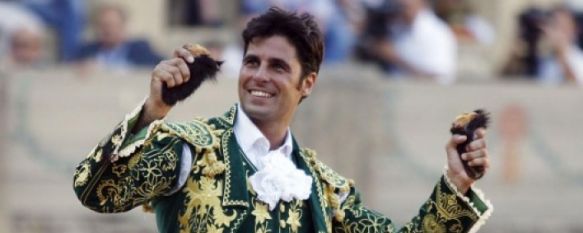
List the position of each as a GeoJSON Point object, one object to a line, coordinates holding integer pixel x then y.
{"type": "Point", "coordinates": [243, 171]}
{"type": "Point", "coordinates": [113, 48]}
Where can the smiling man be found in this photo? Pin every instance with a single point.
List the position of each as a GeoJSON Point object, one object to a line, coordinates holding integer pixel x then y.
{"type": "Point", "coordinates": [243, 171]}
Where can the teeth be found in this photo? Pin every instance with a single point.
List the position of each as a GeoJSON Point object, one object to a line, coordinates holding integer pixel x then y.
{"type": "Point", "coordinates": [261, 94]}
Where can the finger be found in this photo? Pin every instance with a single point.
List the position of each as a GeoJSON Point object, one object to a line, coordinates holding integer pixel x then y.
{"type": "Point", "coordinates": [453, 142]}
{"type": "Point", "coordinates": [474, 155]}
{"type": "Point", "coordinates": [184, 70]}
{"type": "Point", "coordinates": [480, 133]}
{"type": "Point", "coordinates": [174, 71]}
{"type": "Point", "coordinates": [166, 77]}
{"type": "Point", "coordinates": [479, 162]}
{"type": "Point", "coordinates": [184, 53]}
{"type": "Point", "coordinates": [476, 145]}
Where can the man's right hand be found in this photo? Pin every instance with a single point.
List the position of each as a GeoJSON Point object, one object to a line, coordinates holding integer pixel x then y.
{"type": "Point", "coordinates": [173, 72]}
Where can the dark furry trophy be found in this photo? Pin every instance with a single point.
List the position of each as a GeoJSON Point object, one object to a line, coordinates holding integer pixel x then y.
{"type": "Point", "coordinates": [203, 68]}
{"type": "Point", "coordinates": [466, 124]}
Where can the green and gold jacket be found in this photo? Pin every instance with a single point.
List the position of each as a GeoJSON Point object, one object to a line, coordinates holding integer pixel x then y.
{"type": "Point", "coordinates": [126, 170]}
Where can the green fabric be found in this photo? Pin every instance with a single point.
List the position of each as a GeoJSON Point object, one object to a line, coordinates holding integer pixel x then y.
{"type": "Point", "coordinates": [294, 216]}
{"type": "Point", "coordinates": [126, 170]}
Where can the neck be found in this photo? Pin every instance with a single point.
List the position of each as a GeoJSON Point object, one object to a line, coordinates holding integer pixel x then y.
{"type": "Point", "coordinates": [274, 132]}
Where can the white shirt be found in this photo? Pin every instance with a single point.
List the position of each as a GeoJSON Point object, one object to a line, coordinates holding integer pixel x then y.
{"type": "Point", "coordinates": [429, 45]}
{"type": "Point", "coordinates": [254, 144]}
{"type": "Point", "coordinates": [552, 73]}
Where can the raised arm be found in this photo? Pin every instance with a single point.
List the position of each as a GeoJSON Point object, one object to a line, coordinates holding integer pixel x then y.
{"type": "Point", "coordinates": [137, 161]}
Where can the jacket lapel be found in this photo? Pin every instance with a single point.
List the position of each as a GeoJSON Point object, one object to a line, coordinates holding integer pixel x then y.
{"type": "Point", "coordinates": [235, 193]}
{"type": "Point", "coordinates": [317, 205]}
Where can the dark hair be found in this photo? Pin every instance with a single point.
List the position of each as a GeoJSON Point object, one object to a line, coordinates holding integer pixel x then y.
{"type": "Point", "coordinates": [300, 30]}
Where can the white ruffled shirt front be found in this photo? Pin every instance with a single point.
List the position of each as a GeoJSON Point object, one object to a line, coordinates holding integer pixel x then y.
{"type": "Point", "coordinates": [277, 177]}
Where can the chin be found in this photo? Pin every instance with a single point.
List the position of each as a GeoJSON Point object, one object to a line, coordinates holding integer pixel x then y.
{"type": "Point", "coordinates": [255, 111]}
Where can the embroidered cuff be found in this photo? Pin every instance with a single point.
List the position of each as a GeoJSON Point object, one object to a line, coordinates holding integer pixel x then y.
{"type": "Point", "coordinates": [124, 142]}
{"type": "Point", "coordinates": [474, 199]}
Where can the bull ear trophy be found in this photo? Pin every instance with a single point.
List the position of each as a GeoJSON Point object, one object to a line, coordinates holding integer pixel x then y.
{"type": "Point", "coordinates": [202, 69]}
{"type": "Point", "coordinates": [466, 124]}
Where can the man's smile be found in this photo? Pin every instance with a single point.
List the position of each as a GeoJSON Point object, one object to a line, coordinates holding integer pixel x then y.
{"type": "Point", "coordinates": [262, 94]}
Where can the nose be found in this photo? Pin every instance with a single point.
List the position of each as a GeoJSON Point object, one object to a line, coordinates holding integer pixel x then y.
{"type": "Point", "coordinates": [260, 74]}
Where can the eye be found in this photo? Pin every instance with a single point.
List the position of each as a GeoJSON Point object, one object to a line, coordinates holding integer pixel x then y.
{"type": "Point", "coordinates": [251, 62]}
{"type": "Point", "coordinates": [279, 68]}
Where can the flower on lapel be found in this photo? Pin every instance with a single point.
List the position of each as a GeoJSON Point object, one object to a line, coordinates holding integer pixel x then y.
{"type": "Point", "coordinates": [279, 179]}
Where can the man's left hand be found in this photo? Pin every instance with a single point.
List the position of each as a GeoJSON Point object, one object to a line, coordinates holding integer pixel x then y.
{"type": "Point", "coordinates": [476, 156]}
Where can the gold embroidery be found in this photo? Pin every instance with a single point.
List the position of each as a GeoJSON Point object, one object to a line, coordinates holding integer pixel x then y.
{"type": "Point", "coordinates": [203, 201]}
{"type": "Point", "coordinates": [431, 225]}
{"type": "Point", "coordinates": [261, 216]}
{"type": "Point", "coordinates": [149, 175]}
{"type": "Point", "coordinates": [211, 166]}
{"type": "Point", "coordinates": [82, 174]}
{"type": "Point", "coordinates": [309, 156]}
{"type": "Point", "coordinates": [134, 160]}
{"type": "Point", "coordinates": [227, 195]}
{"type": "Point", "coordinates": [195, 132]}
{"type": "Point", "coordinates": [119, 170]}
{"type": "Point", "coordinates": [448, 207]}
{"type": "Point", "coordinates": [294, 216]}
{"type": "Point", "coordinates": [260, 212]}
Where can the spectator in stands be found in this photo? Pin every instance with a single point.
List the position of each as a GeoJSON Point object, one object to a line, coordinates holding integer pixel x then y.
{"type": "Point", "coordinates": [195, 13]}
{"type": "Point", "coordinates": [67, 18]}
{"type": "Point", "coordinates": [113, 48]}
{"type": "Point", "coordinates": [546, 48]}
{"type": "Point", "coordinates": [466, 24]}
{"type": "Point", "coordinates": [564, 62]}
{"type": "Point", "coordinates": [418, 44]}
{"type": "Point", "coordinates": [22, 37]}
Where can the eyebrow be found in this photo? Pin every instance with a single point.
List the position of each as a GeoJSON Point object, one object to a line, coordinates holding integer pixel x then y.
{"type": "Point", "coordinates": [249, 57]}
{"type": "Point", "coordinates": [280, 62]}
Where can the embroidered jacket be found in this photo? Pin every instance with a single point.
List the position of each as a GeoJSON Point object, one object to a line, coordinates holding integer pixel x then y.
{"type": "Point", "coordinates": [126, 170]}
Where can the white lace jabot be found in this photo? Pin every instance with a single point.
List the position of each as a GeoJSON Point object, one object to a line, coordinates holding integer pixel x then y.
{"type": "Point", "coordinates": [277, 177]}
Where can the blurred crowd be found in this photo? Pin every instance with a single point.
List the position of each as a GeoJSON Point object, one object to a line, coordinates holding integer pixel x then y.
{"type": "Point", "coordinates": [413, 39]}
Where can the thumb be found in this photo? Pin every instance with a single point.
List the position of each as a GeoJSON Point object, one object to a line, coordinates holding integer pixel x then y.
{"type": "Point", "coordinates": [455, 140]}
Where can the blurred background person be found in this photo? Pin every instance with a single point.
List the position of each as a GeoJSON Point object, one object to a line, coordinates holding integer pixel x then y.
{"type": "Point", "coordinates": [547, 48]}
{"type": "Point", "coordinates": [22, 37]}
{"type": "Point", "coordinates": [195, 13]}
{"type": "Point", "coordinates": [112, 47]}
{"type": "Point", "coordinates": [407, 39]}
{"type": "Point", "coordinates": [66, 18]}
{"type": "Point", "coordinates": [466, 23]}
{"type": "Point", "coordinates": [563, 62]}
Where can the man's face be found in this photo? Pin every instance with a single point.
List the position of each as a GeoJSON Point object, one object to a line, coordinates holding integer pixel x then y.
{"type": "Point", "coordinates": [26, 47]}
{"type": "Point", "coordinates": [269, 81]}
{"type": "Point", "coordinates": [110, 27]}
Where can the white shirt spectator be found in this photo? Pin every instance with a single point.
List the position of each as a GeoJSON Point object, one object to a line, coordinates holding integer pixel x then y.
{"type": "Point", "coordinates": [15, 17]}
{"type": "Point", "coordinates": [430, 46]}
{"type": "Point", "coordinates": [550, 71]}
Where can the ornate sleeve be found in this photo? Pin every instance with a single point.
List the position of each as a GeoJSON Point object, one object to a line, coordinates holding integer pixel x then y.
{"type": "Point", "coordinates": [446, 210]}
{"type": "Point", "coordinates": [126, 170]}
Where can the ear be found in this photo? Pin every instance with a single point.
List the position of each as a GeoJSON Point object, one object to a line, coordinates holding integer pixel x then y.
{"type": "Point", "coordinates": [308, 84]}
